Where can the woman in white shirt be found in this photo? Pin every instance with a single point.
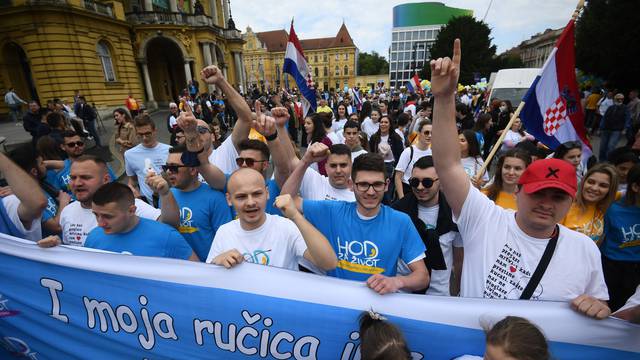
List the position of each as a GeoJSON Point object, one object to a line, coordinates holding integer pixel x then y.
{"type": "Point", "coordinates": [515, 135]}
{"type": "Point", "coordinates": [470, 157]}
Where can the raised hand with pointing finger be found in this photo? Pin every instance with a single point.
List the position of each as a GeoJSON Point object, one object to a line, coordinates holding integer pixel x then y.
{"type": "Point", "coordinates": [445, 73]}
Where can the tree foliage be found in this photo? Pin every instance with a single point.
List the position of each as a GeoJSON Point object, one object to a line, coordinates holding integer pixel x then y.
{"type": "Point", "coordinates": [478, 55]}
{"type": "Point", "coordinates": [607, 35]}
{"type": "Point", "coordinates": [372, 64]}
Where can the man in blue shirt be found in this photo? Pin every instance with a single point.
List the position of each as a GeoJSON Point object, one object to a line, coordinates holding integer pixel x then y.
{"type": "Point", "coordinates": [202, 209]}
{"type": "Point", "coordinates": [121, 230]}
{"type": "Point", "coordinates": [368, 237]}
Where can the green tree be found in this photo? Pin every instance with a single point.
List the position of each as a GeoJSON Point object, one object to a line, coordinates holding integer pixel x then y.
{"type": "Point", "coordinates": [507, 61]}
{"type": "Point", "coordinates": [372, 64]}
{"type": "Point", "coordinates": [607, 36]}
{"type": "Point", "coordinates": [478, 55]}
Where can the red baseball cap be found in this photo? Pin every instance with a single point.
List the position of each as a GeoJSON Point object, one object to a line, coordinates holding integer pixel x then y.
{"type": "Point", "coordinates": [549, 173]}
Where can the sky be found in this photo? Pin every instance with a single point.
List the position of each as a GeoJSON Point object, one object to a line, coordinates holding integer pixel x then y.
{"type": "Point", "coordinates": [370, 21]}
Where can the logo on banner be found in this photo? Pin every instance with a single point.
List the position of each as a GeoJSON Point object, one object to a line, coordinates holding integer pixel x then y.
{"type": "Point", "coordinates": [555, 116]}
{"type": "Point", "coordinates": [359, 256]}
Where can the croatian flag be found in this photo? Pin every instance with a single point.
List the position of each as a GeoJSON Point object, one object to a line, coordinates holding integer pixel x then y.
{"type": "Point", "coordinates": [416, 83]}
{"type": "Point", "coordinates": [552, 111]}
{"type": "Point", "coordinates": [295, 64]}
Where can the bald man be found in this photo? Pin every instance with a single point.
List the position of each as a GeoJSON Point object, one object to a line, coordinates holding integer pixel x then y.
{"type": "Point", "coordinates": [266, 239]}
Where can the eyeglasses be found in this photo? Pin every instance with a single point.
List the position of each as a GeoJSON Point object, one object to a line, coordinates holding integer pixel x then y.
{"type": "Point", "coordinates": [75, 144]}
{"type": "Point", "coordinates": [203, 129]}
{"type": "Point", "coordinates": [172, 167]}
{"type": "Point", "coordinates": [249, 161]}
{"type": "Point", "coordinates": [426, 182]}
{"type": "Point", "coordinates": [377, 186]}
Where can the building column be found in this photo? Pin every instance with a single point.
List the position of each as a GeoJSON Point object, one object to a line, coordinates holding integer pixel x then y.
{"type": "Point", "coordinates": [187, 70]}
{"type": "Point", "coordinates": [214, 55]}
{"type": "Point", "coordinates": [225, 12]}
{"type": "Point", "coordinates": [238, 66]}
{"type": "Point", "coordinates": [244, 72]}
{"type": "Point", "coordinates": [173, 6]}
{"type": "Point", "coordinates": [148, 5]}
{"type": "Point", "coordinates": [213, 11]}
{"type": "Point", "coordinates": [206, 51]}
{"type": "Point", "coordinates": [151, 102]}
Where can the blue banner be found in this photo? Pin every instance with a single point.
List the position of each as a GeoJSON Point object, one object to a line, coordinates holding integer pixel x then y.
{"type": "Point", "coordinates": [66, 303]}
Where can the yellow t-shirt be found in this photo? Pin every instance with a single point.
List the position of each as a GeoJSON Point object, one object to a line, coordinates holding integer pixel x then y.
{"type": "Point", "coordinates": [589, 222]}
{"type": "Point", "coordinates": [592, 101]}
{"type": "Point", "coordinates": [504, 199]}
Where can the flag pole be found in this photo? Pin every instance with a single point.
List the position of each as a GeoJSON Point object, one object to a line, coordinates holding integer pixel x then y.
{"type": "Point", "coordinates": [498, 143]}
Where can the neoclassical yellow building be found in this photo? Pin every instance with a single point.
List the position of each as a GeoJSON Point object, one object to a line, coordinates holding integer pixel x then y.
{"type": "Point", "coordinates": [333, 60]}
{"type": "Point", "coordinates": [107, 49]}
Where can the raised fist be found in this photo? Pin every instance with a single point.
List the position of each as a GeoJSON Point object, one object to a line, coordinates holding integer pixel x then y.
{"type": "Point", "coordinates": [288, 207]}
{"type": "Point", "coordinates": [316, 152]}
{"type": "Point", "coordinates": [212, 75]}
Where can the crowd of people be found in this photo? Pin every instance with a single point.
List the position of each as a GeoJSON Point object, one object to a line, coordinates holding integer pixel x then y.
{"type": "Point", "coordinates": [391, 191]}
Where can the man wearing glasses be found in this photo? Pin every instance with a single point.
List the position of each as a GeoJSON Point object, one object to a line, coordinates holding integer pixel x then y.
{"type": "Point", "coordinates": [73, 146]}
{"type": "Point", "coordinates": [202, 209]}
{"type": "Point", "coordinates": [135, 159]}
{"type": "Point", "coordinates": [368, 237]}
{"type": "Point", "coordinates": [409, 157]}
{"type": "Point", "coordinates": [431, 216]}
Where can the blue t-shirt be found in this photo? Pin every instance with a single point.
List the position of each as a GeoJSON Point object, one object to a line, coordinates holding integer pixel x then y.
{"type": "Point", "coordinates": [51, 178]}
{"type": "Point", "coordinates": [365, 247]}
{"type": "Point", "coordinates": [134, 164]}
{"type": "Point", "coordinates": [202, 212]}
{"type": "Point", "coordinates": [49, 213]}
{"type": "Point", "coordinates": [63, 177]}
{"type": "Point", "coordinates": [622, 232]}
{"type": "Point", "coordinates": [148, 238]}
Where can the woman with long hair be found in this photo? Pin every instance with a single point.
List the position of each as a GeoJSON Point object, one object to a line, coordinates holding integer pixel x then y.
{"type": "Point", "coordinates": [515, 135]}
{"type": "Point", "coordinates": [621, 245]}
{"type": "Point", "coordinates": [126, 136]}
{"type": "Point", "coordinates": [595, 194]}
{"type": "Point", "coordinates": [470, 157]}
{"type": "Point", "coordinates": [510, 167]}
{"type": "Point", "coordinates": [341, 118]}
{"type": "Point", "coordinates": [389, 144]}
{"type": "Point", "coordinates": [482, 128]}
{"type": "Point", "coordinates": [316, 132]}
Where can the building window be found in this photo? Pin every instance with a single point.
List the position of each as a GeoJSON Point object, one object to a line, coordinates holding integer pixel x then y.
{"type": "Point", "coordinates": [316, 72]}
{"type": "Point", "coordinates": [105, 58]}
{"type": "Point", "coordinates": [346, 56]}
{"type": "Point", "coordinates": [326, 71]}
{"type": "Point", "coordinates": [337, 73]}
{"type": "Point", "coordinates": [346, 70]}
{"type": "Point", "coordinates": [337, 57]}
{"type": "Point", "coordinates": [315, 59]}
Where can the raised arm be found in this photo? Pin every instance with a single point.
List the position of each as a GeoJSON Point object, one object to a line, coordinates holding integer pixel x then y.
{"type": "Point", "coordinates": [212, 75]}
{"type": "Point", "coordinates": [446, 152]}
{"type": "Point", "coordinates": [319, 251]}
{"type": "Point", "coordinates": [266, 125]}
{"type": "Point", "coordinates": [32, 203]}
{"type": "Point", "coordinates": [315, 152]}
{"type": "Point", "coordinates": [211, 173]}
{"type": "Point", "coordinates": [169, 212]}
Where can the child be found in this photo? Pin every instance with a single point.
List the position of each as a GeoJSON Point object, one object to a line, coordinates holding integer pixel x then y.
{"type": "Point", "coordinates": [380, 339]}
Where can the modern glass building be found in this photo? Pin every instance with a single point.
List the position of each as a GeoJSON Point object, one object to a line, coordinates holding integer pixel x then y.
{"type": "Point", "coordinates": [415, 28]}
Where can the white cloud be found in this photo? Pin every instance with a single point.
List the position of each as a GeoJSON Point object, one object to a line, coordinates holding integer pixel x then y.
{"type": "Point", "coordinates": [370, 21]}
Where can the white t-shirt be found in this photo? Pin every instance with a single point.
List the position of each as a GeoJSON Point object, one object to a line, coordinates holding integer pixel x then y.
{"type": "Point", "coordinates": [278, 242]}
{"type": "Point", "coordinates": [338, 125]}
{"type": "Point", "coordinates": [406, 162]}
{"type": "Point", "coordinates": [369, 127]}
{"type": "Point", "coordinates": [472, 166]}
{"type": "Point", "coordinates": [512, 136]}
{"type": "Point", "coordinates": [34, 231]}
{"type": "Point", "coordinates": [499, 258]}
{"type": "Point", "coordinates": [439, 284]}
{"type": "Point", "coordinates": [77, 222]}
{"type": "Point", "coordinates": [355, 154]}
{"type": "Point", "coordinates": [134, 160]}
{"type": "Point", "coordinates": [335, 138]}
{"type": "Point", "coordinates": [385, 149]}
{"type": "Point", "coordinates": [224, 157]}
{"type": "Point", "coordinates": [411, 109]}
{"type": "Point", "coordinates": [317, 187]}
{"type": "Point", "coordinates": [634, 300]}
{"type": "Point", "coordinates": [400, 133]}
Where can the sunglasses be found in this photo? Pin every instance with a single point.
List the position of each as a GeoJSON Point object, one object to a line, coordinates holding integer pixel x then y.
{"type": "Point", "coordinates": [203, 129]}
{"type": "Point", "coordinates": [75, 144]}
{"type": "Point", "coordinates": [426, 182]}
{"type": "Point", "coordinates": [426, 132]}
{"type": "Point", "coordinates": [249, 161]}
{"type": "Point", "coordinates": [173, 168]}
